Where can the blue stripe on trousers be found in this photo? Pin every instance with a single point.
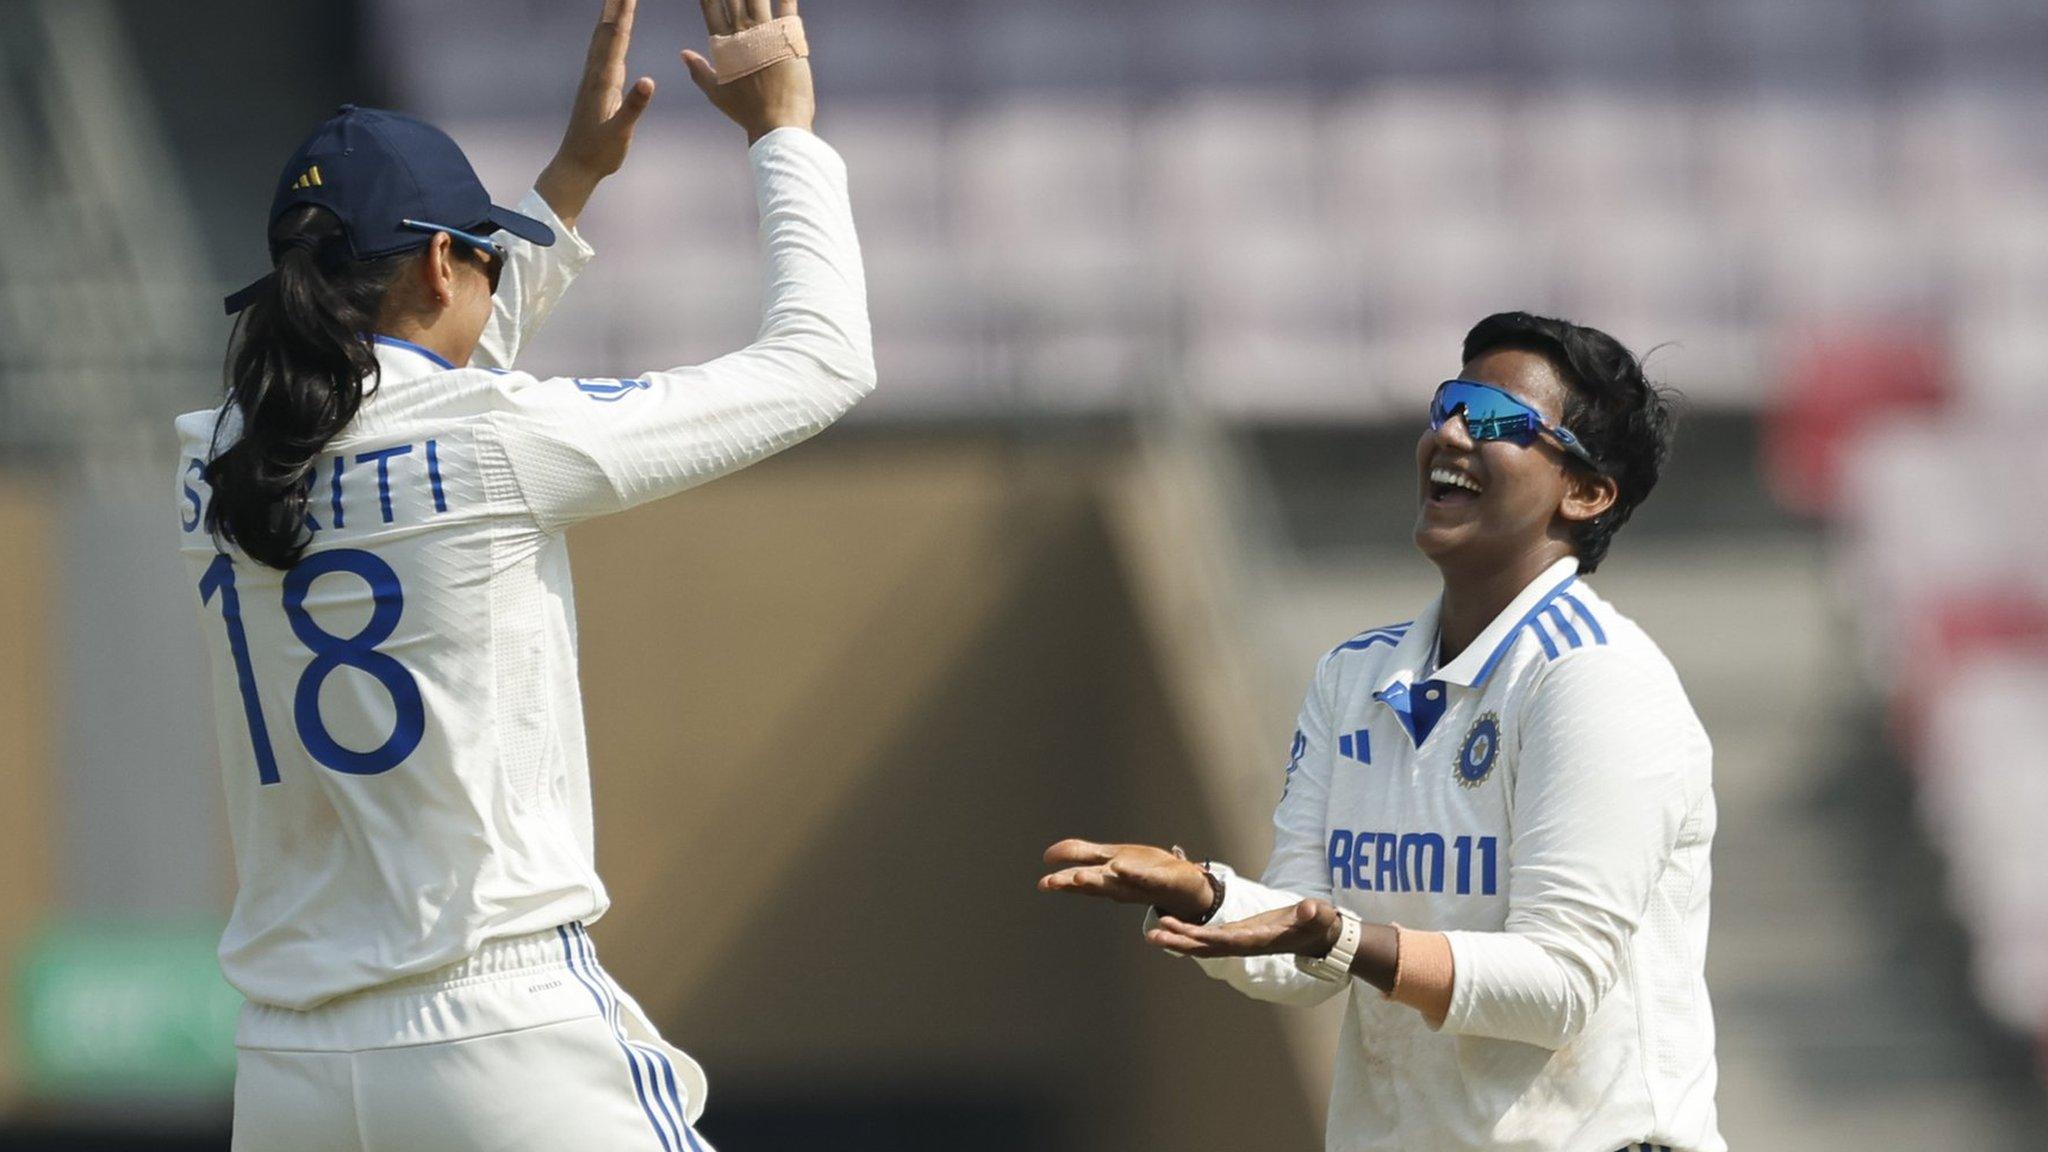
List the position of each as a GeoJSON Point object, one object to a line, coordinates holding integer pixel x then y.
{"type": "Point", "coordinates": [672, 1107]}
{"type": "Point", "coordinates": [671, 1128]}
{"type": "Point", "coordinates": [632, 1065]}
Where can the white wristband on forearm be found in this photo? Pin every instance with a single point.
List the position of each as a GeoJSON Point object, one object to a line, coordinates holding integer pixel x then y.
{"type": "Point", "coordinates": [1335, 965]}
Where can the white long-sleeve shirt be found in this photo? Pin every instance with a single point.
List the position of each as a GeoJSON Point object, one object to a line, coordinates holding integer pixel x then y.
{"type": "Point", "coordinates": [400, 728]}
{"type": "Point", "coordinates": [1545, 801]}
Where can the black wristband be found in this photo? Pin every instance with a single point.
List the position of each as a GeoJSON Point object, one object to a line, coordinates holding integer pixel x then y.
{"type": "Point", "coordinates": [1215, 895]}
{"type": "Point", "coordinates": [1215, 891]}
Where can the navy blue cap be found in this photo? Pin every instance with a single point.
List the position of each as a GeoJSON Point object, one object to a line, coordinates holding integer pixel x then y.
{"type": "Point", "coordinates": [374, 170]}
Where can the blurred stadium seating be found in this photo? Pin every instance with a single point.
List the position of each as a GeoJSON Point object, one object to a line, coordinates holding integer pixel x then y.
{"type": "Point", "coordinates": [1157, 288]}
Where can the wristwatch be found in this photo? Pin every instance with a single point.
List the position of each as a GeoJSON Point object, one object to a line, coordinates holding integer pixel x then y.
{"type": "Point", "coordinates": [1335, 966]}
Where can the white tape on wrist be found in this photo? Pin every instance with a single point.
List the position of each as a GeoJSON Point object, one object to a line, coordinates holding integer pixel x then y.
{"type": "Point", "coordinates": [747, 52]}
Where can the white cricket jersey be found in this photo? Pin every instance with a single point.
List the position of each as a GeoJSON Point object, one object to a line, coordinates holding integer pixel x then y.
{"type": "Point", "coordinates": [1545, 800]}
{"type": "Point", "coordinates": [400, 728]}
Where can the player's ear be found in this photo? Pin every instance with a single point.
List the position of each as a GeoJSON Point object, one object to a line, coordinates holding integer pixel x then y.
{"type": "Point", "coordinates": [1587, 495]}
{"type": "Point", "coordinates": [437, 270]}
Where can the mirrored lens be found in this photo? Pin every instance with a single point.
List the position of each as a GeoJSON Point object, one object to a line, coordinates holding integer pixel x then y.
{"type": "Point", "coordinates": [1489, 413]}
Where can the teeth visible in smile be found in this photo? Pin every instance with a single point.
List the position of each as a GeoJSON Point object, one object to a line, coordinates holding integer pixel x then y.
{"type": "Point", "coordinates": [1454, 479]}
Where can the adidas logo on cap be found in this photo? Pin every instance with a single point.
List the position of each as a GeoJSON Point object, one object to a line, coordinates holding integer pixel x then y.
{"type": "Point", "coordinates": [310, 178]}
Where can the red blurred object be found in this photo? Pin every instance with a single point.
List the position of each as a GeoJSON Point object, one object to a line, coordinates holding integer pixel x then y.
{"type": "Point", "coordinates": [1835, 384]}
{"type": "Point", "coordinates": [1947, 633]}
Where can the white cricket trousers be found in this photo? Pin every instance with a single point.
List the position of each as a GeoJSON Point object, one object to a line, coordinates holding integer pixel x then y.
{"type": "Point", "coordinates": [526, 1046]}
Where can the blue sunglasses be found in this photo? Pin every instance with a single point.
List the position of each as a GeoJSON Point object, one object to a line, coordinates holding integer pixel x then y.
{"type": "Point", "coordinates": [1491, 414]}
{"type": "Point", "coordinates": [470, 239]}
{"type": "Point", "coordinates": [480, 243]}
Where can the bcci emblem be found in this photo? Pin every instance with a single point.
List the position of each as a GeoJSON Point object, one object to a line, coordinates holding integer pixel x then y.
{"type": "Point", "coordinates": [1475, 757]}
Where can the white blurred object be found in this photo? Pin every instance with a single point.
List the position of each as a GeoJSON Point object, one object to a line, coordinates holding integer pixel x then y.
{"type": "Point", "coordinates": [1849, 263]}
{"type": "Point", "coordinates": [2002, 263]}
{"type": "Point", "coordinates": [1790, 161]}
{"type": "Point", "coordinates": [931, 349]}
{"type": "Point", "coordinates": [1599, 154]}
{"type": "Point", "coordinates": [898, 163]}
{"type": "Point", "coordinates": [686, 183]}
{"type": "Point", "coordinates": [1421, 156]}
{"type": "Point", "coordinates": [1645, 270]}
{"type": "Point", "coordinates": [1081, 321]}
{"type": "Point", "coordinates": [1954, 156]}
{"type": "Point", "coordinates": [1300, 258]}
{"type": "Point", "coordinates": [2001, 365]}
{"type": "Point", "coordinates": [699, 303]}
{"type": "Point", "coordinates": [1919, 520]}
{"type": "Point", "coordinates": [1219, 162]}
{"type": "Point", "coordinates": [1985, 796]}
{"type": "Point", "coordinates": [1420, 278]}
{"type": "Point", "coordinates": [1274, 324]}
{"type": "Point", "coordinates": [1040, 169]}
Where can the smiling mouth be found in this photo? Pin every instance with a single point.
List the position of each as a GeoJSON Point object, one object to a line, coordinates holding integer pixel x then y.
{"type": "Point", "coordinates": [1448, 486]}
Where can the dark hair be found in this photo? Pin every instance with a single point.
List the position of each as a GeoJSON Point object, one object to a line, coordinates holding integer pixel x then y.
{"type": "Point", "coordinates": [1623, 419]}
{"type": "Point", "coordinates": [297, 365]}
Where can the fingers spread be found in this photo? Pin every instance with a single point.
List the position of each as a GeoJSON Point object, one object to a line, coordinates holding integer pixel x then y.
{"type": "Point", "coordinates": [613, 33]}
{"type": "Point", "coordinates": [637, 99]}
{"type": "Point", "coordinates": [706, 78]}
{"type": "Point", "coordinates": [622, 35]}
{"type": "Point", "coordinates": [716, 19]}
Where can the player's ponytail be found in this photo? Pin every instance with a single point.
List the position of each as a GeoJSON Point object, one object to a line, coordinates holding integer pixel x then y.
{"type": "Point", "coordinates": [299, 365]}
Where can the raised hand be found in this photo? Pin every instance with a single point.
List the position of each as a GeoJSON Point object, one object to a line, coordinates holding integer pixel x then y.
{"type": "Point", "coordinates": [602, 118]}
{"type": "Point", "coordinates": [778, 96]}
{"type": "Point", "coordinates": [1127, 874]}
{"type": "Point", "coordinates": [1308, 928]}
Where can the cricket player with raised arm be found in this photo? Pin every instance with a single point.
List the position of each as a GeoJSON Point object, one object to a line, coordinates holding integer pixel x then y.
{"type": "Point", "coordinates": [1495, 824]}
{"type": "Point", "coordinates": [374, 526]}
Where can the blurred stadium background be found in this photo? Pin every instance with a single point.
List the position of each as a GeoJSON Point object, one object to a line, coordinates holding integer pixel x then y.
{"type": "Point", "coordinates": [1159, 289]}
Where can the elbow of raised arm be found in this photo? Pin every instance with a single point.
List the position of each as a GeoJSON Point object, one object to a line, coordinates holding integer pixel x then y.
{"type": "Point", "coordinates": [852, 371]}
{"type": "Point", "coordinates": [840, 353]}
{"type": "Point", "coordinates": [860, 371]}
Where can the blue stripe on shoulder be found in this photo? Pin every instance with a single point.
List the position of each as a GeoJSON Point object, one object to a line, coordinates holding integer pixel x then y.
{"type": "Point", "coordinates": [1564, 627]}
{"type": "Point", "coordinates": [1560, 631]}
{"type": "Point", "coordinates": [1389, 635]}
{"type": "Point", "coordinates": [1592, 625]}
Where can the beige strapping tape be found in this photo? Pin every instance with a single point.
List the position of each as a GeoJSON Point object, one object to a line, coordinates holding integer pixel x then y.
{"type": "Point", "coordinates": [747, 52]}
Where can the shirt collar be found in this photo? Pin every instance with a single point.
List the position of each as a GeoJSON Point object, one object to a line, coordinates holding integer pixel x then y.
{"type": "Point", "coordinates": [405, 359]}
{"type": "Point", "coordinates": [1477, 662]}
